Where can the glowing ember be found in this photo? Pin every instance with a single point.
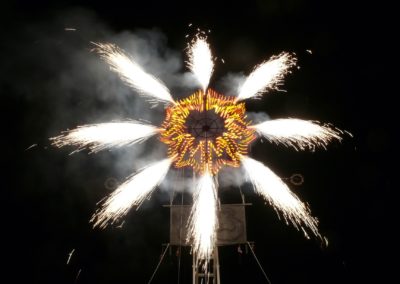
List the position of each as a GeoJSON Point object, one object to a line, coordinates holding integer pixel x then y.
{"type": "Point", "coordinates": [207, 131]}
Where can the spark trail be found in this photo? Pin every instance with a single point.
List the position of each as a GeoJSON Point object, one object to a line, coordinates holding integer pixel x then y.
{"type": "Point", "coordinates": [297, 133]}
{"type": "Point", "coordinates": [132, 74]}
{"type": "Point", "coordinates": [266, 76]}
{"type": "Point", "coordinates": [132, 192]}
{"type": "Point", "coordinates": [200, 61]}
{"type": "Point", "coordinates": [203, 218]}
{"type": "Point", "coordinates": [103, 136]}
{"type": "Point", "coordinates": [267, 184]}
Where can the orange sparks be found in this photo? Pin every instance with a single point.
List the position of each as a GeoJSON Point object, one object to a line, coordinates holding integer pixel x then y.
{"type": "Point", "coordinates": [207, 131]}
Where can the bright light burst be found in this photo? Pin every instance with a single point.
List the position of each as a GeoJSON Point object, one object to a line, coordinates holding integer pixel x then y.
{"type": "Point", "coordinates": [132, 192]}
{"type": "Point", "coordinates": [277, 193]}
{"type": "Point", "coordinates": [203, 218]}
{"type": "Point", "coordinates": [268, 75]}
{"type": "Point", "coordinates": [297, 133]}
{"type": "Point", "coordinates": [103, 136]}
{"type": "Point", "coordinates": [200, 60]}
{"type": "Point", "coordinates": [132, 74]}
{"type": "Point", "coordinates": [204, 132]}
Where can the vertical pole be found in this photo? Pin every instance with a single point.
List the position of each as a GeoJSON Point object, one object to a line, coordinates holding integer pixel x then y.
{"type": "Point", "coordinates": [194, 269]}
{"type": "Point", "coordinates": [216, 266]}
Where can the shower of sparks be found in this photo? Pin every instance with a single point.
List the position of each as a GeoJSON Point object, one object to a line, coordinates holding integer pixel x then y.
{"type": "Point", "coordinates": [203, 218]}
{"type": "Point", "coordinates": [132, 192]}
{"type": "Point", "coordinates": [132, 74]}
{"type": "Point", "coordinates": [297, 133]}
{"type": "Point", "coordinates": [266, 76]}
{"type": "Point", "coordinates": [103, 136]}
{"type": "Point", "coordinates": [200, 61]}
{"type": "Point", "coordinates": [276, 192]}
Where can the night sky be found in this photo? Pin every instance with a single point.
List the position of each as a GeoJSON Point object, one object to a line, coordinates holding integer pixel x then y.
{"type": "Point", "coordinates": [51, 81]}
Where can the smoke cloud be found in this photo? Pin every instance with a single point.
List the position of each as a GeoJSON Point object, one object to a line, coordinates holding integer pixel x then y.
{"type": "Point", "coordinates": [73, 86]}
{"type": "Point", "coordinates": [230, 84]}
{"type": "Point", "coordinates": [257, 117]}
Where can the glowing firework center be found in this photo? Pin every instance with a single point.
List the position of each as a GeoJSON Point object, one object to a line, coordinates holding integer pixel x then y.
{"type": "Point", "coordinates": [207, 131]}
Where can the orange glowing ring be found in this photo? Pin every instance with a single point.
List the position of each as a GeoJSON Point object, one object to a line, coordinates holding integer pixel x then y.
{"type": "Point", "coordinates": [207, 131]}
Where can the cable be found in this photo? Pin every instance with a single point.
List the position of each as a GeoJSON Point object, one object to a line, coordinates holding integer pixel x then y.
{"type": "Point", "coordinates": [180, 243]}
{"type": "Point", "coordinates": [259, 264]}
{"type": "Point", "coordinates": [180, 239]}
{"type": "Point", "coordinates": [158, 265]}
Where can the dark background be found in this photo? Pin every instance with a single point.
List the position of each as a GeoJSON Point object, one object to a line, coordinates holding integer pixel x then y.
{"type": "Point", "coordinates": [48, 196]}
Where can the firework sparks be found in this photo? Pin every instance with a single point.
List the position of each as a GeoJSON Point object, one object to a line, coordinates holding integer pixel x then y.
{"type": "Point", "coordinates": [30, 147]}
{"type": "Point", "coordinates": [266, 76]}
{"type": "Point", "coordinates": [207, 131]}
{"type": "Point", "coordinates": [70, 255]}
{"type": "Point", "coordinates": [204, 131]}
{"type": "Point", "coordinates": [203, 218]}
{"type": "Point", "coordinates": [132, 74]}
{"type": "Point", "coordinates": [297, 133]}
{"type": "Point", "coordinates": [132, 192]}
{"type": "Point", "coordinates": [103, 136]}
{"type": "Point", "coordinates": [276, 192]}
{"type": "Point", "coordinates": [200, 61]}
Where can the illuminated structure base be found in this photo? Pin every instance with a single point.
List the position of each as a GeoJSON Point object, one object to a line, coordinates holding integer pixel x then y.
{"type": "Point", "coordinates": [231, 231]}
{"type": "Point", "coordinates": [209, 274]}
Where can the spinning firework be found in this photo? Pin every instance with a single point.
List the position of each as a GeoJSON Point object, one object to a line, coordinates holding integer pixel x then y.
{"type": "Point", "coordinates": [205, 131]}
